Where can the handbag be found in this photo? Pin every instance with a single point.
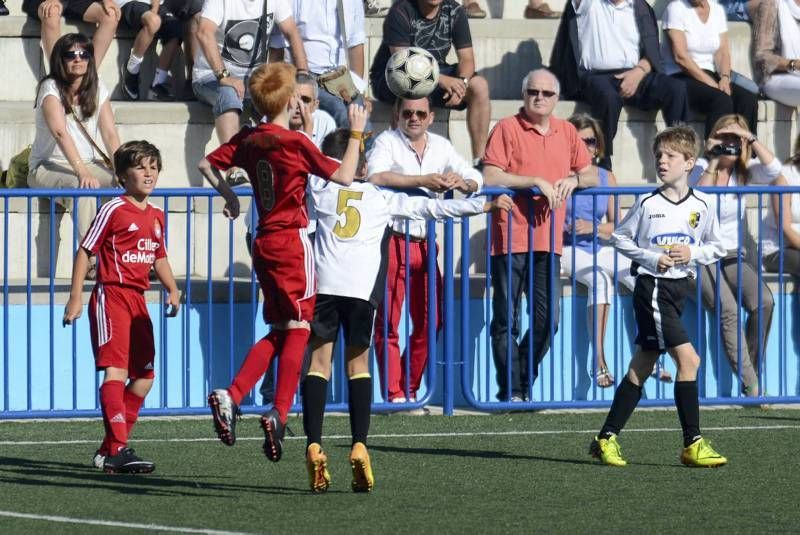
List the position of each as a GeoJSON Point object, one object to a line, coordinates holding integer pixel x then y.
{"type": "Point", "coordinates": [17, 174]}
{"type": "Point", "coordinates": [106, 159]}
{"type": "Point", "coordinates": [339, 82]}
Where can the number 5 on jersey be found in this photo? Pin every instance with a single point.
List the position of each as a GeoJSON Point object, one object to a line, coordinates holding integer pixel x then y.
{"type": "Point", "coordinates": [352, 217]}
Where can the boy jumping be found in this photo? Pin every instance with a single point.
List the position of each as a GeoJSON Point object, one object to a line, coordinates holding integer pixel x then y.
{"type": "Point", "coordinates": [278, 160]}
{"type": "Point", "coordinates": [666, 234]}
{"type": "Point", "coordinates": [127, 236]}
{"type": "Point", "coordinates": [349, 293]}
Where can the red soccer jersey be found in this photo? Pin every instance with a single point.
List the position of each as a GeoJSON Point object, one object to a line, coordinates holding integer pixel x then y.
{"type": "Point", "coordinates": [127, 241]}
{"type": "Point", "coordinates": [278, 162]}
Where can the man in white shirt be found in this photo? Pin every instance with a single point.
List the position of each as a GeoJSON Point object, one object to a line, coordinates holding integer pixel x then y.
{"type": "Point", "coordinates": [234, 37]}
{"type": "Point", "coordinates": [326, 49]}
{"type": "Point", "coordinates": [607, 53]}
{"type": "Point", "coordinates": [411, 157]}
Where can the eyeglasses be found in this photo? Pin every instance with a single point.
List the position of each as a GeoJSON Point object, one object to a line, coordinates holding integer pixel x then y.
{"type": "Point", "coordinates": [70, 55]}
{"type": "Point", "coordinates": [306, 100]}
{"type": "Point", "coordinates": [408, 114]}
{"type": "Point", "coordinates": [590, 141]}
{"type": "Point", "coordinates": [543, 92]}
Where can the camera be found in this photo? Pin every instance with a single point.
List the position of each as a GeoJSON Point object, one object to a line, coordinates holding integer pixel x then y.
{"type": "Point", "coordinates": [725, 149]}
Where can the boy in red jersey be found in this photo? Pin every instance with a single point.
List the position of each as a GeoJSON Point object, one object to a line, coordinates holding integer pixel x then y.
{"type": "Point", "coordinates": [127, 236]}
{"type": "Point", "coordinates": [278, 161]}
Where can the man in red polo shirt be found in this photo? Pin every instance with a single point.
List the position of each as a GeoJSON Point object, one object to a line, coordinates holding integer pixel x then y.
{"type": "Point", "coordinates": [530, 149]}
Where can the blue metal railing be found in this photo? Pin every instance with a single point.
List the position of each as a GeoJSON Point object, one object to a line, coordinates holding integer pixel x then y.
{"type": "Point", "coordinates": [201, 349]}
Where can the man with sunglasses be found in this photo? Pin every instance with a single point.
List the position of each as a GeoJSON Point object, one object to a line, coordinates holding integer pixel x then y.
{"type": "Point", "coordinates": [530, 149]}
{"type": "Point", "coordinates": [607, 53]}
{"type": "Point", "coordinates": [410, 156]}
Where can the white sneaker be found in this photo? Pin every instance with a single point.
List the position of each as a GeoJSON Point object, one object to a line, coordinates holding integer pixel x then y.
{"type": "Point", "coordinates": [99, 460]}
{"type": "Point", "coordinates": [375, 8]}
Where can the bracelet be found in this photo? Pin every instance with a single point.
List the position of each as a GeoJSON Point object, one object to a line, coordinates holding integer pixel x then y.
{"type": "Point", "coordinates": [361, 137]}
{"type": "Point", "coordinates": [752, 140]}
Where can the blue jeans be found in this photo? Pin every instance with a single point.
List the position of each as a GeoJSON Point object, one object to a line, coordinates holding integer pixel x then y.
{"type": "Point", "coordinates": [221, 98]}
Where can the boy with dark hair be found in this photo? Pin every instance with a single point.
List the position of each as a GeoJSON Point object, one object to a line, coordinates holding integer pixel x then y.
{"type": "Point", "coordinates": [349, 293]}
{"type": "Point", "coordinates": [127, 235]}
{"type": "Point", "coordinates": [666, 234]}
{"type": "Point", "coordinates": [278, 161]}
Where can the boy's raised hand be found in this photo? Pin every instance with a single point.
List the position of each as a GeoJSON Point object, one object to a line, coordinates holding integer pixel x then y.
{"type": "Point", "coordinates": [664, 263]}
{"type": "Point", "coordinates": [358, 115]}
{"type": "Point", "coordinates": [172, 304]}
{"type": "Point", "coordinates": [501, 202]}
{"type": "Point", "coordinates": [72, 310]}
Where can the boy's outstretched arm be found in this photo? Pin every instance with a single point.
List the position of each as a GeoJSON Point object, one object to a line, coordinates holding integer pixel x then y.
{"type": "Point", "coordinates": [402, 205]}
{"type": "Point", "coordinates": [218, 182]}
{"type": "Point", "coordinates": [164, 274]}
{"type": "Point", "coordinates": [80, 268]}
{"type": "Point", "coordinates": [347, 170]}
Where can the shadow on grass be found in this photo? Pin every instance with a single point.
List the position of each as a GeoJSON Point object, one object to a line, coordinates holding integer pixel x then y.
{"type": "Point", "coordinates": [34, 472]}
{"type": "Point", "coordinates": [769, 417]}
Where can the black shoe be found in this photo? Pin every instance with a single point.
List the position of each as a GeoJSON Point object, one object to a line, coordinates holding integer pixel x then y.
{"type": "Point", "coordinates": [225, 412]}
{"type": "Point", "coordinates": [126, 462]}
{"type": "Point", "coordinates": [3, 9]}
{"type": "Point", "coordinates": [273, 435]}
{"type": "Point", "coordinates": [130, 83]}
{"type": "Point", "coordinates": [161, 92]}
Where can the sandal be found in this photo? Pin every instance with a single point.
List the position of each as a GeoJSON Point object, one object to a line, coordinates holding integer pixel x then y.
{"type": "Point", "coordinates": [603, 378]}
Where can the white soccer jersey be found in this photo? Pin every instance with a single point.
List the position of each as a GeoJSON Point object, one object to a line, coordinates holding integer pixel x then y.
{"type": "Point", "coordinates": [352, 233]}
{"type": "Point", "coordinates": [654, 224]}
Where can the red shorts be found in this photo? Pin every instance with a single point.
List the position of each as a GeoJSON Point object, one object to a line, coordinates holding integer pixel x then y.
{"type": "Point", "coordinates": [284, 264]}
{"type": "Point", "coordinates": [122, 333]}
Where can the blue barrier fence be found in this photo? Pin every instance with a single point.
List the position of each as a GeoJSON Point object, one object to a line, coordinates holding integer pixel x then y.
{"type": "Point", "coordinates": [48, 370]}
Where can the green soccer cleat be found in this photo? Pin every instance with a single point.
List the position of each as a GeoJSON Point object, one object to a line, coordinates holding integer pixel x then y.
{"type": "Point", "coordinates": [319, 479]}
{"type": "Point", "coordinates": [607, 450]}
{"type": "Point", "coordinates": [700, 453]}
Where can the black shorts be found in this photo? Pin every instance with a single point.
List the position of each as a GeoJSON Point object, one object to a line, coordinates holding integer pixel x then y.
{"type": "Point", "coordinates": [384, 94]}
{"type": "Point", "coordinates": [73, 9]}
{"type": "Point", "coordinates": [356, 317]}
{"type": "Point", "coordinates": [658, 305]}
{"type": "Point", "coordinates": [184, 9]}
{"type": "Point", "coordinates": [171, 27]}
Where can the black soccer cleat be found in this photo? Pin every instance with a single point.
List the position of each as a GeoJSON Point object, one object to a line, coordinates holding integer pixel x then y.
{"type": "Point", "coordinates": [130, 83]}
{"type": "Point", "coordinates": [161, 93]}
{"type": "Point", "coordinates": [127, 462]}
{"type": "Point", "coordinates": [225, 412]}
{"type": "Point", "coordinates": [273, 435]}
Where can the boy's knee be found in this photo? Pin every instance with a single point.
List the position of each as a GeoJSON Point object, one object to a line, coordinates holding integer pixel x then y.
{"type": "Point", "coordinates": [151, 22]}
{"type": "Point", "coordinates": [53, 17]}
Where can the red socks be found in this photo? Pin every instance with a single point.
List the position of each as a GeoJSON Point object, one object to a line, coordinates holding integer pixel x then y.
{"type": "Point", "coordinates": [289, 367]}
{"type": "Point", "coordinates": [255, 364]}
{"type": "Point", "coordinates": [132, 405]}
{"type": "Point", "coordinates": [112, 402]}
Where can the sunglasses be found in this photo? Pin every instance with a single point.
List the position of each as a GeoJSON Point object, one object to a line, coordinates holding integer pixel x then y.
{"type": "Point", "coordinates": [590, 141]}
{"type": "Point", "coordinates": [70, 55]}
{"type": "Point", "coordinates": [306, 100]}
{"type": "Point", "coordinates": [408, 114]}
{"type": "Point", "coordinates": [543, 92]}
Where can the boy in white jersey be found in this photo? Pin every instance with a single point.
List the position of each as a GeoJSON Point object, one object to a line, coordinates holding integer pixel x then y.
{"type": "Point", "coordinates": [666, 234]}
{"type": "Point", "coordinates": [351, 259]}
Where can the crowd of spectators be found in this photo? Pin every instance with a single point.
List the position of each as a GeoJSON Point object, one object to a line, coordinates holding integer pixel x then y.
{"type": "Point", "coordinates": [607, 53]}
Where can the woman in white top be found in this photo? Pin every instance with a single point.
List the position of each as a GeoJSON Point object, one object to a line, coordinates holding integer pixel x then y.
{"type": "Point", "coordinates": [735, 157]}
{"type": "Point", "coordinates": [696, 50]}
{"type": "Point", "coordinates": [776, 48]}
{"type": "Point", "coordinates": [62, 155]}
{"type": "Point", "coordinates": [790, 223]}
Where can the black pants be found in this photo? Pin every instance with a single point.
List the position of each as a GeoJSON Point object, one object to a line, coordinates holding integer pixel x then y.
{"type": "Point", "coordinates": [714, 103]}
{"type": "Point", "coordinates": [656, 91]}
{"type": "Point", "coordinates": [543, 293]}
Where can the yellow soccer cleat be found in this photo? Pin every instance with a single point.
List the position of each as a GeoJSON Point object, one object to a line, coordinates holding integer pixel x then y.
{"type": "Point", "coordinates": [317, 464]}
{"type": "Point", "coordinates": [700, 453]}
{"type": "Point", "coordinates": [362, 471]}
{"type": "Point", "coordinates": [607, 450]}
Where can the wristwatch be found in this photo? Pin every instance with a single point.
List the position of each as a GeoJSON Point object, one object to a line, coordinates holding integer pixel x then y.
{"type": "Point", "coordinates": [466, 81]}
{"type": "Point", "coordinates": [221, 74]}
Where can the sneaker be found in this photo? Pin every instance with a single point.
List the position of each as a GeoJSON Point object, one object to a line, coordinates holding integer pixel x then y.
{"type": "Point", "coordinates": [130, 83]}
{"type": "Point", "coordinates": [474, 11]}
{"type": "Point", "coordinates": [225, 413]}
{"type": "Point", "coordinates": [373, 8]}
{"type": "Point", "coordinates": [362, 469]}
{"type": "Point", "coordinates": [422, 411]}
{"type": "Point", "coordinates": [3, 9]}
{"type": "Point", "coordinates": [700, 453]}
{"type": "Point", "coordinates": [319, 479]}
{"type": "Point", "coordinates": [273, 435]}
{"type": "Point", "coordinates": [542, 12]}
{"type": "Point", "coordinates": [99, 460]}
{"type": "Point", "coordinates": [161, 93]}
{"type": "Point", "coordinates": [126, 462]}
{"type": "Point", "coordinates": [607, 450]}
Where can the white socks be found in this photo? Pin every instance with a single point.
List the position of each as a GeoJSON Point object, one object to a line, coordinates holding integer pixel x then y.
{"type": "Point", "coordinates": [134, 64]}
{"type": "Point", "coordinates": [161, 77]}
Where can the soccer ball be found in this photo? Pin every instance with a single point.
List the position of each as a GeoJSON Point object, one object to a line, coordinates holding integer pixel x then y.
{"type": "Point", "coordinates": [412, 73]}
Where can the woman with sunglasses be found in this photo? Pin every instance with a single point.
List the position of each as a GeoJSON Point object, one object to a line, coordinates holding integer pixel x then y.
{"type": "Point", "coordinates": [735, 157]}
{"type": "Point", "coordinates": [590, 220]}
{"type": "Point", "coordinates": [64, 155]}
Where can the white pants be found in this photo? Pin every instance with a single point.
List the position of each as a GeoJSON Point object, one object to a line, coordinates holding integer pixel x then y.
{"type": "Point", "coordinates": [784, 88]}
{"type": "Point", "coordinates": [584, 270]}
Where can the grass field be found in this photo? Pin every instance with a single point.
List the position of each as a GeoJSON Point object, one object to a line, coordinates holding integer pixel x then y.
{"type": "Point", "coordinates": [518, 473]}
